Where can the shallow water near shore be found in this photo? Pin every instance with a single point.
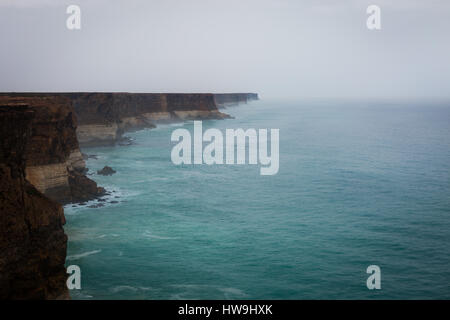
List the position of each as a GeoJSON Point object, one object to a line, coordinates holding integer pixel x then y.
{"type": "Point", "coordinates": [358, 184]}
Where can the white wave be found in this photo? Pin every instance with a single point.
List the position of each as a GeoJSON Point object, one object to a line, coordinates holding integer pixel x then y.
{"type": "Point", "coordinates": [123, 288]}
{"type": "Point", "coordinates": [150, 235]}
{"type": "Point", "coordinates": [191, 286]}
{"type": "Point", "coordinates": [147, 289]}
{"type": "Point", "coordinates": [151, 179]}
{"type": "Point", "coordinates": [78, 295]}
{"type": "Point", "coordinates": [232, 293]}
{"type": "Point", "coordinates": [194, 290]}
{"type": "Point", "coordinates": [107, 235]}
{"type": "Point", "coordinates": [177, 296]}
{"type": "Point", "coordinates": [74, 209]}
{"type": "Point", "coordinates": [131, 289]}
{"type": "Point", "coordinates": [161, 126]}
{"type": "Point", "coordinates": [82, 255]}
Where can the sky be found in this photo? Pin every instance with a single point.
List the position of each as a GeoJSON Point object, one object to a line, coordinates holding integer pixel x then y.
{"type": "Point", "coordinates": [277, 48]}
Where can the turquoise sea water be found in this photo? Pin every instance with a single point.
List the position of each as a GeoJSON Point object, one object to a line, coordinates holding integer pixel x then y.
{"type": "Point", "coordinates": [359, 184]}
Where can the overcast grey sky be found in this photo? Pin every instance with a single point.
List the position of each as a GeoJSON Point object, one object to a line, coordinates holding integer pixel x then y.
{"type": "Point", "coordinates": [288, 48]}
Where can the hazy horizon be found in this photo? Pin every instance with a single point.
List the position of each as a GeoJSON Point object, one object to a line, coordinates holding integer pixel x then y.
{"type": "Point", "coordinates": [292, 49]}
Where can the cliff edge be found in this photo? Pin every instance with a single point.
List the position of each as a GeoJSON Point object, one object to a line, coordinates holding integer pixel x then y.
{"type": "Point", "coordinates": [32, 238]}
{"type": "Point", "coordinates": [53, 161]}
{"type": "Point", "coordinates": [103, 117]}
{"type": "Point", "coordinates": [41, 167]}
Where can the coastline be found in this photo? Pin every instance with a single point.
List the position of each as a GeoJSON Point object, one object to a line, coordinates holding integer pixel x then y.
{"type": "Point", "coordinates": [66, 122]}
{"type": "Point", "coordinates": [45, 134]}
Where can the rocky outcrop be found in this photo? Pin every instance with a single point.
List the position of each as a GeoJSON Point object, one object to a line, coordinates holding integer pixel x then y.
{"type": "Point", "coordinates": [53, 161]}
{"type": "Point", "coordinates": [106, 171]}
{"type": "Point", "coordinates": [32, 239]}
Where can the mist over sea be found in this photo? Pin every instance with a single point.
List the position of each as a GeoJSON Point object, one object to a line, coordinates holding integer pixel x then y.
{"type": "Point", "coordinates": [359, 183]}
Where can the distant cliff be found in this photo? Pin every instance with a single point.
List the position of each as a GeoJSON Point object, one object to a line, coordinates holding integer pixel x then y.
{"type": "Point", "coordinates": [231, 99]}
{"type": "Point", "coordinates": [53, 161]}
{"type": "Point", "coordinates": [32, 239]}
{"type": "Point", "coordinates": [63, 121]}
{"type": "Point", "coordinates": [104, 117]}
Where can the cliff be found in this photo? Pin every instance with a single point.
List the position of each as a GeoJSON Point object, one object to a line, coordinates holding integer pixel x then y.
{"type": "Point", "coordinates": [41, 166]}
{"type": "Point", "coordinates": [104, 117]}
{"type": "Point", "coordinates": [63, 121]}
{"type": "Point", "coordinates": [32, 239]}
{"type": "Point", "coordinates": [53, 161]}
{"type": "Point", "coordinates": [231, 99]}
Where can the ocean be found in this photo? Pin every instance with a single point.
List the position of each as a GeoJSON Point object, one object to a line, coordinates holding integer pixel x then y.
{"type": "Point", "coordinates": [359, 184]}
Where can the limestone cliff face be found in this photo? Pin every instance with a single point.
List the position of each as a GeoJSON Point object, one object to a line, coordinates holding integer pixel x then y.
{"type": "Point", "coordinates": [104, 117]}
{"type": "Point", "coordinates": [53, 161]}
{"type": "Point", "coordinates": [32, 239]}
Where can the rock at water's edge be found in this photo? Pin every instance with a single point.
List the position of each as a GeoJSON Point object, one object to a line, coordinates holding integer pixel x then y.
{"type": "Point", "coordinates": [106, 171]}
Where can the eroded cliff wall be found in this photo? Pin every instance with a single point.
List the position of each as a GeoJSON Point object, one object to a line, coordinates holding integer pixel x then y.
{"type": "Point", "coordinates": [53, 161]}
{"type": "Point", "coordinates": [104, 117]}
{"type": "Point", "coordinates": [32, 239]}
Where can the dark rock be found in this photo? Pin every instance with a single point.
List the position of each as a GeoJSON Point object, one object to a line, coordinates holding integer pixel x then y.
{"type": "Point", "coordinates": [83, 188]}
{"type": "Point", "coordinates": [106, 171]}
